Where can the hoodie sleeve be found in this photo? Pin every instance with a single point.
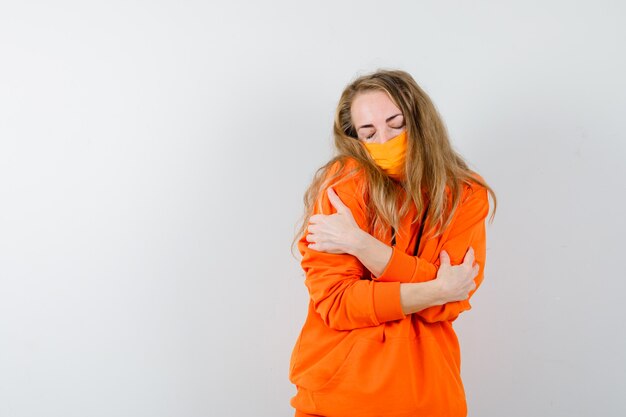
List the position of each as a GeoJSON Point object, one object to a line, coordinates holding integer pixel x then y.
{"type": "Point", "coordinates": [336, 284]}
{"type": "Point", "coordinates": [467, 229]}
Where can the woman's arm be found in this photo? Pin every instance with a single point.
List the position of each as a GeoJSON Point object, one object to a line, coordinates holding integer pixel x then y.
{"type": "Point", "coordinates": [339, 293]}
{"type": "Point", "coordinates": [392, 265]}
{"type": "Point", "coordinates": [453, 283]}
{"type": "Point", "coordinates": [373, 254]}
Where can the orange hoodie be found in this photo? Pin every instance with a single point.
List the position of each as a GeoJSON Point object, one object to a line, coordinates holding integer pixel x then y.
{"type": "Point", "coordinates": [358, 354]}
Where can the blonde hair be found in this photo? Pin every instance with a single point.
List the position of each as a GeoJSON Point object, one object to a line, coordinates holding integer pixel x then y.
{"type": "Point", "coordinates": [431, 163]}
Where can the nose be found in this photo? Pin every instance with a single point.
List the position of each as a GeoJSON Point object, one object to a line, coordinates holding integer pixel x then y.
{"type": "Point", "coordinates": [385, 135]}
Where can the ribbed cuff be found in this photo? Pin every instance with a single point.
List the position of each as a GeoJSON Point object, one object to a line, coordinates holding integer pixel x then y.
{"type": "Point", "coordinates": [400, 267]}
{"type": "Point", "coordinates": [387, 303]}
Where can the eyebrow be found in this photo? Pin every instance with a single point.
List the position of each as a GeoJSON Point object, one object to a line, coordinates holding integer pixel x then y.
{"type": "Point", "coordinates": [387, 121]}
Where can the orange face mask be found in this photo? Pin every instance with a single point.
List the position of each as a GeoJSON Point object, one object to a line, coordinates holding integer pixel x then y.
{"type": "Point", "coordinates": [389, 156]}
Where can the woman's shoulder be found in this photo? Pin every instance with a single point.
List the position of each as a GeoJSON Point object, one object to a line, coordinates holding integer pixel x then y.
{"type": "Point", "coordinates": [345, 164]}
{"type": "Point", "coordinates": [474, 188]}
{"type": "Point", "coordinates": [475, 182]}
{"type": "Point", "coordinates": [346, 174]}
{"type": "Point", "coordinates": [468, 188]}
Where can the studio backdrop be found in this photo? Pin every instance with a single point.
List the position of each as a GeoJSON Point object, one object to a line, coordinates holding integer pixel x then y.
{"type": "Point", "coordinates": [153, 160]}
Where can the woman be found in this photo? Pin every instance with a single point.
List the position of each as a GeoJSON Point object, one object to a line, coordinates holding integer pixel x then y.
{"type": "Point", "coordinates": [387, 218]}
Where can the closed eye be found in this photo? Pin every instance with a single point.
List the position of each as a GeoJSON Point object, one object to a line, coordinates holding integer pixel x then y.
{"type": "Point", "coordinates": [398, 122]}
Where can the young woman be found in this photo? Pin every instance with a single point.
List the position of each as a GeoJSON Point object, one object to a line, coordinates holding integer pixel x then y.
{"type": "Point", "coordinates": [393, 251]}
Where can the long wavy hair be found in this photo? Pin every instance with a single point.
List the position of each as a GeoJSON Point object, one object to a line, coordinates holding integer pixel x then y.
{"type": "Point", "coordinates": [431, 164]}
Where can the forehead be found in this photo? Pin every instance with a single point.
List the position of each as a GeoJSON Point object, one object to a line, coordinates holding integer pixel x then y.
{"type": "Point", "coordinates": [372, 106]}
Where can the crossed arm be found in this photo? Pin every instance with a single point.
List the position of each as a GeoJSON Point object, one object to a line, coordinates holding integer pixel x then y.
{"type": "Point", "coordinates": [435, 291]}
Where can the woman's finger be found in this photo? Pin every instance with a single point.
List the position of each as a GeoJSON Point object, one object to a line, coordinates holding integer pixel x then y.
{"type": "Point", "coordinates": [476, 270]}
{"type": "Point", "coordinates": [336, 201]}
{"type": "Point", "coordinates": [469, 257]}
{"type": "Point", "coordinates": [444, 258]}
{"type": "Point", "coordinates": [316, 218]}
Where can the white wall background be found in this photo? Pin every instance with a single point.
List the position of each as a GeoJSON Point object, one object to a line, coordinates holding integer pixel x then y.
{"type": "Point", "coordinates": [153, 157]}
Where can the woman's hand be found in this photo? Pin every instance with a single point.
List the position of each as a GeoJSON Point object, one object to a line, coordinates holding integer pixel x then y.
{"type": "Point", "coordinates": [456, 281]}
{"type": "Point", "coordinates": [333, 233]}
